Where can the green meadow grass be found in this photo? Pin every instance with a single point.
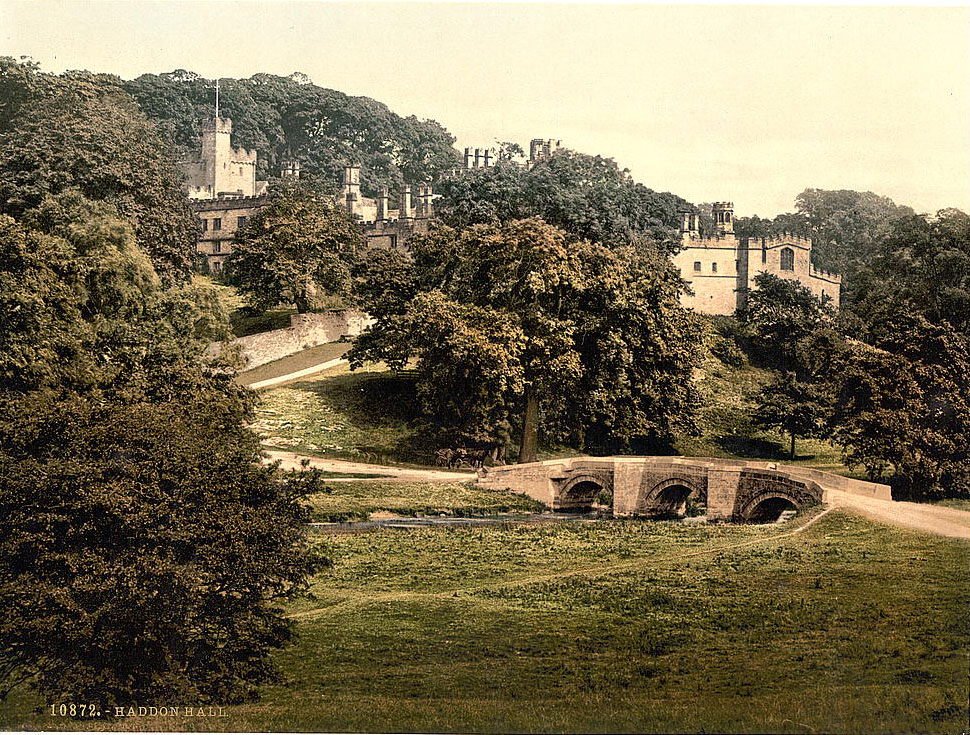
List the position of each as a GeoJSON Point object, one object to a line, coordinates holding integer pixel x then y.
{"type": "Point", "coordinates": [846, 627]}
{"type": "Point", "coordinates": [364, 415]}
{"type": "Point", "coordinates": [344, 501]}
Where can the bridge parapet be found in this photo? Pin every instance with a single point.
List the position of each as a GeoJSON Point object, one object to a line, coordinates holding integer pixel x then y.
{"type": "Point", "coordinates": [645, 486]}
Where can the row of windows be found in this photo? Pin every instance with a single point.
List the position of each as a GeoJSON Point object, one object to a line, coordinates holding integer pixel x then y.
{"type": "Point", "coordinates": [217, 223]}
{"type": "Point", "coordinates": [787, 261]}
{"type": "Point", "coordinates": [697, 266]}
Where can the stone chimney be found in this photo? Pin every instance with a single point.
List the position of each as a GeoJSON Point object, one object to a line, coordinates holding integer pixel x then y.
{"type": "Point", "coordinates": [407, 208]}
{"type": "Point", "coordinates": [424, 197]}
{"type": "Point", "coordinates": [382, 205]}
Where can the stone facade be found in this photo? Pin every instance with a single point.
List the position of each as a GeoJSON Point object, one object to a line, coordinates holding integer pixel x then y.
{"type": "Point", "coordinates": [223, 192]}
{"type": "Point", "coordinates": [721, 267]}
{"type": "Point", "coordinates": [728, 490]}
{"type": "Point", "coordinates": [219, 220]}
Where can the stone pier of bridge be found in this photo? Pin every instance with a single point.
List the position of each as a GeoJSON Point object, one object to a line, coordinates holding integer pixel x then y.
{"type": "Point", "coordinates": [724, 490]}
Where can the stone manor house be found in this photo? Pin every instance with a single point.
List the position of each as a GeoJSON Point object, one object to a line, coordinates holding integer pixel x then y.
{"type": "Point", "coordinates": [720, 268]}
{"type": "Point", "coordinates": [224, 193]}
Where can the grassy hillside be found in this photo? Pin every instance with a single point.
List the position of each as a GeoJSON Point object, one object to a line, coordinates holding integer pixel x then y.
{"type": "Point", "coordinates": [726, 430]}
{"type": "Point", "coordinates": [847, 627]}
{"type": "Point", "coordinates": [368, 415]}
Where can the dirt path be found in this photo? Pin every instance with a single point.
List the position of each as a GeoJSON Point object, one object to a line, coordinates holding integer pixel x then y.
{"type": "Point", "coordinates": [293, 461]}
{"type": "Point", "coordinates": [312, 370]}
{"type": "Point", "coordinates": [934, 519]}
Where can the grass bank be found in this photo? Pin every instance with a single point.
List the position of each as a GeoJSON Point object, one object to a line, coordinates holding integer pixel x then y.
{"type": "Point", "coordinates": [847, 627]}
{"type": "Point", "coordinates": [364, 415]}
{"type": "Point", "coordinates": [727, 396]}
{"type": "Point", "coordinates": [345, 501]}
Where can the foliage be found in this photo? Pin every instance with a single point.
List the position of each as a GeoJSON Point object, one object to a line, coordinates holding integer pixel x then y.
{"type": "Point", "coordinates": [293, 249]}
{"type": "Point", "coordinates": [290, 119]}
{"type": "Point", "coordinates": [589, 197]}
{"type": "Point", "coordinates": [921, 265]}
{"type": "Point", "coordinates": [84, 131]}
{"type": "Point", "coordinates": [902, 409]}
{"type": "Point", "coordinates": [727, 351]}
{"type": "Point", "coordinates": [798, 408]}
{"type": "Point", "coordinates": [777, 314]}
{"type": "Point", "coordinates": [143, 542]}
{"type": "Point", "coordinates": [518, 320]}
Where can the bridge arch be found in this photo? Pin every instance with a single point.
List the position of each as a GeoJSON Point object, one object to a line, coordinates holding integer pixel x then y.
{"type": "Point", "coordinates": [581, 490]}
{"type": "Point", "coordinates": [670, 495]}
{"type": "Point", "coordinates": [767, 505]}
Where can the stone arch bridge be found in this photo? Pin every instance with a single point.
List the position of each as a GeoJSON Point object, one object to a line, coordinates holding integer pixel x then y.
{"type": "Point", "coordinates": [726, 490]}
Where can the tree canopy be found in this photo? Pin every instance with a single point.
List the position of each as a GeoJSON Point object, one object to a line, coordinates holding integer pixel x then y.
{"type": "Point", "coordinates": [589, 197]}
{"type": "Point", "coordinates": [83, 131]}
{"type": "Point", "coordinates": [144, 542]}
{"type": "Point", "coordinates": [296, 249]}
{"type": "Point", "coordinates": [586, 342]}
{"type": "Point", "coordinates": [290, 119]}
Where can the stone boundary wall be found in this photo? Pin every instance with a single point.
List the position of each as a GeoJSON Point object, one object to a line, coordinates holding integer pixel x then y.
{"type": "Point", "coordinates": [305, 331]}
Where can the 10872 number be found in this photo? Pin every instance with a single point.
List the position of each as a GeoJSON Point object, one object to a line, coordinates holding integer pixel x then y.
{"type": "Point", "coordinates": [75, 710]}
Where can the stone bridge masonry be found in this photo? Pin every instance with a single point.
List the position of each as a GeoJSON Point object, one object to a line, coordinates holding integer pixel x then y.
{"type": "Point", "coordinates": [729, 490]}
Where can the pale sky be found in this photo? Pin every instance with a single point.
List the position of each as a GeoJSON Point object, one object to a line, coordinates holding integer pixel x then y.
{"type": "Point", "coordinates": [745, 103]}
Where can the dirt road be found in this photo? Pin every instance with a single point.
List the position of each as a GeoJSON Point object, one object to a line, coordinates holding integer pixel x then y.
{"type": "Point", "coordinates": [919, 516]}
{"type": "Point", "coordinates": [292, 461]}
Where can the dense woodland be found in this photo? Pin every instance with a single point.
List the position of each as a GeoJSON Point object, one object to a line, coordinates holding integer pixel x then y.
{"type": "Point", "coordinates": [289, 119]}
{"type": "Point", "coordinates": [542, 308]}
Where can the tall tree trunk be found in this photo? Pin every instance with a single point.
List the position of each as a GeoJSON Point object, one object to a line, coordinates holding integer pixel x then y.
{"type": "Point", "coordinates": [530, 428]}
{"type": "Point", "coordinates": [793, 446]}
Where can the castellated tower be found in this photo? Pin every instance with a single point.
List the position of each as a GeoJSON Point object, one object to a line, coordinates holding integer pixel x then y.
{"type": "Point", "coordinates": [720, 268]}
{"type": "Point", "coordinates": [222, 171]}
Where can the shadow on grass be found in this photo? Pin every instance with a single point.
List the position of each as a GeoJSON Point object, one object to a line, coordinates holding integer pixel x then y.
{"type": "Point", "coordinates": [746, 446]}
{"type": "Point", "coordinates": [380, 405]}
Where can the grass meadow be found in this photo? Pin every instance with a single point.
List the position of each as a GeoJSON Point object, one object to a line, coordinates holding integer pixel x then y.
{"type": "Point", "coordinates": [352, 501]}
{"type": "Point", "coordinates": [844, 626]}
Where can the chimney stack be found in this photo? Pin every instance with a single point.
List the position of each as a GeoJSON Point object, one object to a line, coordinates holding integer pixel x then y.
{"type": "Point", "coordinates": [407, 209]}
{"type": "Point", "coordinates": [382, 205]}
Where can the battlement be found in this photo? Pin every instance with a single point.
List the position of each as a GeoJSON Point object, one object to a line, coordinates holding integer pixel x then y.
{"type": "Point", "coordinates": [821, 273]}
{"type": "Point", "coordinates": [230, 202]}
{"type": "Point", "coordinates": [217, 125]}
{"type": "Point", "coordinates": [785, 238]}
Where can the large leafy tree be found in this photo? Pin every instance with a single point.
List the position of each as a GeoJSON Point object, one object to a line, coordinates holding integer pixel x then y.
{"type": "Point", "coordinates": [776, 315]}
{"type": "Point", "coordinates": [297, 248]}
{"type": "Point", "coordinates": [593, 346]}
{"type": "Point", "coordinates": [84, 131]}
{"type": "Point", "coordinates": [922, 265]}
{"type": "Point", "coordinates": [589, 197]}
{"type": "Point", "coordinates": [902, 407]}
{"type": "Point", "coordinates": [801, 409]}
{"type": "Point", "coordinates": [144, 544]}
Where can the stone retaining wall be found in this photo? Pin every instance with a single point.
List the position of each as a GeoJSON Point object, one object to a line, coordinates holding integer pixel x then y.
{"type": "Point", "coordinates": [305, 331]}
